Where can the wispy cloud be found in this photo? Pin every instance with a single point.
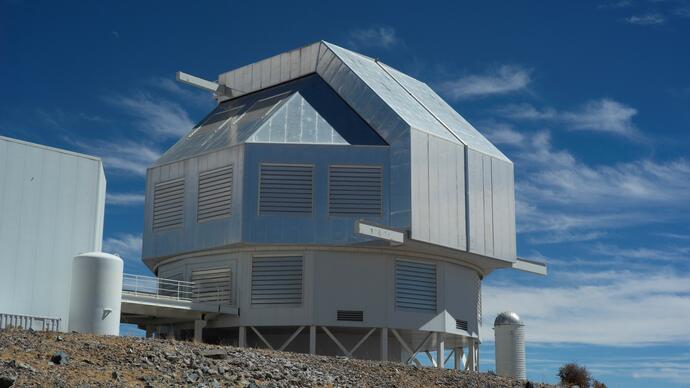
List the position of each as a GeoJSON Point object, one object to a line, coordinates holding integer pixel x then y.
{"type": "Point", "coordinates": [128, 247]}
{"type": "Point", "coordinates": [124, 199]}
{"type": "Point", "coordinates": [376, 37]}
{"type": "Point", "coordinates": [606, 313]}
{"type": "Point", "coordinates": [157, 116]}
{"type": "Point", "coordinates": [504, 79]}
{"type": "Point", "coordinates": [647, 19]}
{"type": "Point", "coordinates": [600, 115]}
{"type": "Point", "coordinates": [616, 4]}
{"type": "Point", "coordinates": [123, 156]}
{"type": "Point", "coordinates": [561, 198]}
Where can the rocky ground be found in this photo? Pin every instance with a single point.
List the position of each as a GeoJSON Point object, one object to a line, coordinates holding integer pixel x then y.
{"type": "Point", "coordinates": [68, 360]}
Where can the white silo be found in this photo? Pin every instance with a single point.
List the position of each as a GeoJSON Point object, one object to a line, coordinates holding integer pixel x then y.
{"type": "Point", "coordinates": [509, 333]}
{"type": "Point", "coordinates": [96, 294]}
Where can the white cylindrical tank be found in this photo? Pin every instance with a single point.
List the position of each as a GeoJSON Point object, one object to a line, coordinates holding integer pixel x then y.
{"type": "Point", "coordinates": [96, 294]}
{"type": "Point", "coordinates": [510, 346]}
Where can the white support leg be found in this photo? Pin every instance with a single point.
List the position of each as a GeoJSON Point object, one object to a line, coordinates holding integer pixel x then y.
{"type": "Point", "coordinates": [471, 353]}
{"type": "Point", "coordinates": [459, 352]}
{"type": "Point", "coordinates": [440, 351]}
{"type": "Point", "coordinates": [312, 339]}
{"type": "Point", "coordinates": [199, 325]}
{"type": "Point", "coordinates": [384, 344]}
{"type": "Point", "coordinates": [242, 340]}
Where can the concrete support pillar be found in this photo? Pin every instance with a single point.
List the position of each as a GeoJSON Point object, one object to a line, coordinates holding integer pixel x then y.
{"type": "Point", "coordinates": [384, 344]}
{"type": "Point", "coordinates": [440, 350]}
{"type": "Point", "coordinates": [199, 325]}
{"type": "Point", "coordinates": [312, 339]}
{"type": "Point", "coordinates": [242, 340]}
{"type": "Point", "coordinates": [476, 357]}
{"type": "Point", "coordinates": [149, 331]}
{"type": "Point", "coordinates": [459, 352]}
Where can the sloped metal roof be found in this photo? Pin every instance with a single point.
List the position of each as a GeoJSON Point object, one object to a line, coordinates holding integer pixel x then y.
{"type": "Point", "coordinates": [414, 102]}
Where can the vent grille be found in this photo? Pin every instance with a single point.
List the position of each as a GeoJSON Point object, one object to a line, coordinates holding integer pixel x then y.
{"type": "Point", "coordinates": [351, 315]}
{"type": "Point", "coordinates": [286, 188]}
{"type": "Point", "coordinates": [212, 285]}
{"type": "Point", "coordinates": [277, 280]}
{"type": "Point", "coordinates": [460, 325]}
{"type": "Point", "coordinates": [168, 200]}
{"type": "Point", "coordinates": [355, 190]}
{"type": "Point", "coordinates": [415, 286]}
{"type": "Point", "coordinates": [215, 194]}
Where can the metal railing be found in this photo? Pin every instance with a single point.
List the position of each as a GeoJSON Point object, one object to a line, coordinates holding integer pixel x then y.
{"type": "Point", "coordinates": [174, 289]}
{"type": "Point", "coordinates": [29, 322]}
{"type": "Point", "coordinates": [157, 287]}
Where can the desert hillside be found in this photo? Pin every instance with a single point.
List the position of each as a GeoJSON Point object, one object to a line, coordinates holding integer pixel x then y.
{"type": "Point", "coordinates": [77, 359]}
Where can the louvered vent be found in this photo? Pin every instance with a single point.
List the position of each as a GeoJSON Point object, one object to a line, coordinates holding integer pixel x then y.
{"type": "Point", "coordinates": [415, 286]}
{"type": "Point", "coordinates": [168, 201]}
{"type": "Point", "coordinates": [286, 188]}
{"type": "Point", "coordinates": [355, 190]}
{"type": "Point", "coordinates": [212, 285]}
{"type": "Point", "coordinates": [277, 280]}
{"type": "Point", "coordinates": [215, 194]}
{"type": "Point", "coordinates": [460, 325]}
{"type": "Point", "coordinates": [351, 315]}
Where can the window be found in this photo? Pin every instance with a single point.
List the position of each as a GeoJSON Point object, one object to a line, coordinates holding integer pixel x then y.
{"type": "Point", "coordinates": [215, 194]}
{"type": "Point", "coordinates": [277, 280]}
{"type": "Point", "coordinates": [415, 285]}
{"type": "Point", "coordinates": [355, 190]}
{"type": "Point", "coordinates": [286, 188]}
{"type": "Point", "coordinates": [168, 205]}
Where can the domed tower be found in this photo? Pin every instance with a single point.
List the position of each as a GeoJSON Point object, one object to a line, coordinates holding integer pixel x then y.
{"type": "Point", "coordinates": [340, 205]}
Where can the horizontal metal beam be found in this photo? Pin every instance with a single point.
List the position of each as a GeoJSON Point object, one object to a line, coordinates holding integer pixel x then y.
{"type": "Point", "coordinates": [530, 266]}
{"type": "Point", "coordinates": [197, 82]}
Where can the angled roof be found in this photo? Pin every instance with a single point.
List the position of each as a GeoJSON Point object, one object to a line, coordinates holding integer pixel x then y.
{"type": "Point", "coordinates": [302, 111]}
{"type": "Point", "coordinates": [385, 97]}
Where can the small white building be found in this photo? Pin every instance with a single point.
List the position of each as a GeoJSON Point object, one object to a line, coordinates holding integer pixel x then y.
{"type": "Point", "coordinates": [51, 209]}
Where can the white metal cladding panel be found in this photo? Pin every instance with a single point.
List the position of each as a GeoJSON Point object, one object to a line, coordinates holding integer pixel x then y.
{"type": "Point", "coordinates": [213, 285]}
{"type": "Point", "coordinates": [420, 185]}
{"type": "Point", "coordinates": [488, 207]}
{"type": "Point", "coordinates": [475, 192]}
{"type": "Point", "coordinates": [438, 201]}
{"type": "Point", "coordinates": [355, 190]}
{"type": "Point", "coordinates": [168, 205]}
{"type": "Point", "coordinates": [415, 285]}
{"type": "Point", "coordinates": [479, 302]}
{"type": "Point", "coordinates": [286, 188]}
{"type": "Point", "coordinates": [215, 194]}
{"type": "Point", "coordinates": [277, 280]}
{"type": "Point", "coordinates": [503, 210]}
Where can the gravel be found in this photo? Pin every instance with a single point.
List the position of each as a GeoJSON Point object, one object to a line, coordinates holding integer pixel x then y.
{"type": "Point", "coordinates": [25, 360]}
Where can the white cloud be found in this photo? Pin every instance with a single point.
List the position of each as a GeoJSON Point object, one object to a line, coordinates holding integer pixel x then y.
{"type": "Point", "coordinates": [503, 134]}
{"type": "Point", "coordinates": [619, 309]}
{"type": "Point", "coordinates": [122, 155]}
{"type": "Point", "coordinates": [124, 199]}
{"type": "Point", "coordinates": [127, 246]}
{"type": "Point", "coordinates": [561, 198]}
{"type": "Point", "coordinates": [646, 19]}
{"type": "Point", "coordinates": [379, 36]}
{"type": "Point", "coordinates": [505, 79]}
{"type": "Point", "coordinates": [156, 116]}
{"type": "Point", "coordinates": [601, 115]}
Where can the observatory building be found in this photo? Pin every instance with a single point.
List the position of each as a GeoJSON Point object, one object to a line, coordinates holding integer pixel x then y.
{"type": "Point", "coordinates": [339, 205]}
{"type": "Point", "coordinates": [52, 203]}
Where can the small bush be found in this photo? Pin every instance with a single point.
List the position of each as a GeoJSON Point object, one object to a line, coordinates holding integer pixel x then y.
{"type": "Point", "coordinates": [598, 384]}
{"type": "Point", "coordinates": [573, 374]}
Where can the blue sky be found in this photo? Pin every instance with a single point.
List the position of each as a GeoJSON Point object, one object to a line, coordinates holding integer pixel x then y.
{"type": "Point", "coordinates": [591, 100]}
